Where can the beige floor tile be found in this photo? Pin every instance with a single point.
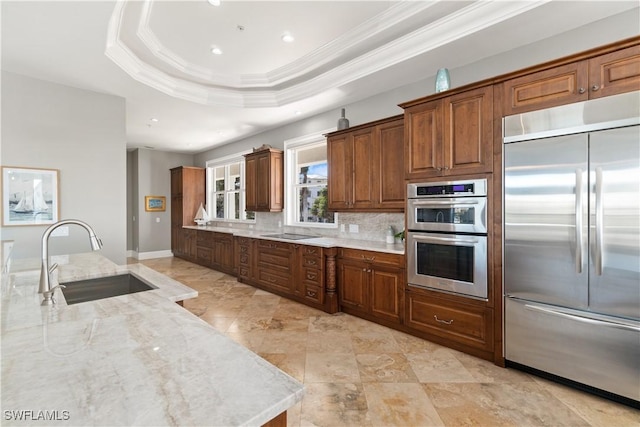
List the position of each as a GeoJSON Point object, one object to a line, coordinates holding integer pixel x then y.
{"type": "Point", "coordinates": [374, 341]}
{"type": "Point", "coordinates": [385, 368]}
{"type": "Point", "coordinates": [501, 404]}
{"type": "Point", "coordinates": [598, 411]}
{"type": "Point", "coordinates": [330, 404]}
{"type": "Point", "coordinates": [358, 373]}
{"type": "Point", "coordinates": [329, 342]}
{"type": "Point", "coordinates": [438, 366]}
{"type": "Point", "coordinates": [331, 368]}
{"type": "Point", "coordinates": [284, 342]}
{"type": "Point", "coordinates": [400, 404]}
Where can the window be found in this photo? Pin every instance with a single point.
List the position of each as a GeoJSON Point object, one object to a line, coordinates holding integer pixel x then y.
{"type": "Point", "coordinates": [306, 182]}
{"type": "Point", "coordinates": [226, 189]}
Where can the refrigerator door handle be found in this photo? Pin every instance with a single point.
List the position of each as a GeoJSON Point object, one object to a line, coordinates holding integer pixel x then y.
{"type": "Point", "coordinates": [579, 240]}
{"type": "Point", "coordinates": [599, 223]}
{"type": "Point", "coordinates": [584, 319]}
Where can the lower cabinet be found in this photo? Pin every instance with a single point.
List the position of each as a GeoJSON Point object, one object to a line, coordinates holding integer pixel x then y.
{"type": "Point", "coordinates": [299, 272]}
{"type": "Point", "coordinates": [183, 243]}
{"type": "Point", "coordinates": [371, 284]}
{"type": "Point", "coordinates": [214, 250]}
{"type": "Point", "coordinates": [455, 322]}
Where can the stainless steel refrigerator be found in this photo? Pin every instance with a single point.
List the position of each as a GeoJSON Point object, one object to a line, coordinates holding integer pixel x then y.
{"type": "Point", "coordinates": [572, 242]}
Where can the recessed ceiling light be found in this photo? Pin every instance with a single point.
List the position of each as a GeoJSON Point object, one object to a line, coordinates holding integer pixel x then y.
{"type": "Point", "coordinates": [287, 37]}
{"type": "Point", "coordinates": [153, 119]}
{"type": "Point", "coordinates": [216, 50]}
{"type": "Point", "coordinates": [297, 113]}
{"type": "Point", "coordinates": [214, 2]}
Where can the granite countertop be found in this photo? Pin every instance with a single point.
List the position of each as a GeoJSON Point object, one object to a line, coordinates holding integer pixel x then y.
{"type": "Point", "coordinates": [325, 242]}
{"type": "Point", "coordinates": [137, 359]}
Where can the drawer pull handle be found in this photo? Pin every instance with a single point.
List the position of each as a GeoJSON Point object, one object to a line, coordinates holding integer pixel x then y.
{"type": "Point", "coordinates": [311, 276]}
{"type": "Point", "coordinates": [311, 262]}
{"type": "Point", "coordinates": [446, 322]}
{"type": "Point", "coordinates": [368, 259]}
{"type": "Point", "coordinates": [311, 294]}
{"type": "Point", "coordinates": [271, 279]}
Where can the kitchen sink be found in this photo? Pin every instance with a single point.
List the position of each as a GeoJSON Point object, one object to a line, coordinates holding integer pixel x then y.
{"type": "Point", "coordinates": [289, 236]}
{"type": "Point", "coordinates": [103, 287]}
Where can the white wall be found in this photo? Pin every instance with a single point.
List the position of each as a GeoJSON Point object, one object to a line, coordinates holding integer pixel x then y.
{"type": "Point", "coordinates": [150, 176]}
{"type": "Point", "coordinates": [82, 134]}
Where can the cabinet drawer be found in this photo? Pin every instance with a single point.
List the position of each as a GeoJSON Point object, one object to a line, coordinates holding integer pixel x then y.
{"type": "Point", "coordinates": [465, 324]}
{"type": "Point", "coordinates": [204, 255]}
{"type": "Point", "coordinates": [243, 271]}
{"type": "Point", "coordinates": [311, 262]}
{"type": "Point", "coordinates": [314, 293]}
{"type": "Point", "coordinates": [205, 238]}
{"type": "Point", "coordinates": [312, 276]}
{"type": "Point", "coordinates": [311, 250]}
{"type": "Point", "coordinates": [273, 245]}
{"type": "Point", "coordinates": [271, 260]}
{"type": "Point", "coordinates": [244, 241]}
{"type": "Point", "coordinates": [273, 278]}
{"type": "Point", "coordinates": [244, 258]}
{"type": "Point", "coordinates": [373, 257]}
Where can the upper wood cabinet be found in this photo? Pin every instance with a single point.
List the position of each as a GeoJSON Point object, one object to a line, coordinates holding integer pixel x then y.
{"type": "Point", "coordinates": [264, 179]}
{"type": "Point", "coordinates": [449, 136]}
{"type": "Point", "coordinates": [366, 167]}
{"type": "Point", "coordinates": [604, 75]}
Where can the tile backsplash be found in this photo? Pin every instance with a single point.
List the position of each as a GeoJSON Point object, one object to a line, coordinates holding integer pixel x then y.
{"type": "Point", "coordinates": [371, 226]}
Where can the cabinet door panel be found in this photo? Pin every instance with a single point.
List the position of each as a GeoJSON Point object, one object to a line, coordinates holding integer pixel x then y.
{"type": "Point", "coordinates": [363, 151]}
{"type": "Point", "coordinates": [548, 88]}
{"type": "Point", "coordinates": [251, 172]}
{"type": "Point", "coordinates": [468, 136]}
{"type": "Point", "coordinates": [614, 73]}
{"type": "Point", "coordinates": [387, 289]}
{"type": "Point", "coordinates": [390, 165]}
{"type": "Point", "coordinates": [353, 285]}
{"type": "Point", "coordinates": [338, 155]}
{"type": "Point", "coordinates": [262, 183]}
{"type": "Point", "coordinates": [423, 131]}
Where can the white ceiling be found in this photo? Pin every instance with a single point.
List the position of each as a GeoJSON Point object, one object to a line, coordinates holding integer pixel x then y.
{"type": "Point", "coordinates": [156, 54]}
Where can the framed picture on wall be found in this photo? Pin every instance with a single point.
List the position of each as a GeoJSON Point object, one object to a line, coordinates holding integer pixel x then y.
{"type": "Point", "coordinates": [155, 203]}
{"type": "Point", "coordinates": [29, 196]}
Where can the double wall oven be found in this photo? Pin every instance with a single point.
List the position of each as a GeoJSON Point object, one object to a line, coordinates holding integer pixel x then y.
{"type": "Point", "coordinates": [447, 236]}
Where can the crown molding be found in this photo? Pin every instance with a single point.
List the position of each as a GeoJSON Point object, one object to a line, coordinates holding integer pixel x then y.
{"type": "Point", "coordinates": [257, 90]}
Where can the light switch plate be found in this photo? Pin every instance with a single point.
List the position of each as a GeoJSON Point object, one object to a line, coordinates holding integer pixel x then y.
{"type": "Point", "coordinates": [353, 228]}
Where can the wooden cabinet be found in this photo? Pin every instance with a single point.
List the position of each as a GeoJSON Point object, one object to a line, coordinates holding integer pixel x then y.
{"type": "Point", "coordinates": [366, 166]}
{"type": "Point", "coordinates": [449, 136]}
{"type": "Point", "coordinates": [215, 250]}
{"type": "Point", "coordinates": [303, 273]}
{"type": "Point", "coordinates": [187, 192]}
{"type": "Point", "coordinates": [245, 258]}
{"type": "Point", "coordinates": [371, 284]}
{"type": "Point", "coordinates": [308, 278]}
{"type": "Point", "coordinates": [264, 178]}
{"type": "Point", "coordinates": [604, 75]}
{"type": "Point", "coordinates": [273, 264]}
{"type": "Point", "coordinates": [454, 322]}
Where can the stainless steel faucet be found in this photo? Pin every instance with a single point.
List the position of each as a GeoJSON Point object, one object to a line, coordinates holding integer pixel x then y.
{"type": "Point", "coordinates": [45, 281]}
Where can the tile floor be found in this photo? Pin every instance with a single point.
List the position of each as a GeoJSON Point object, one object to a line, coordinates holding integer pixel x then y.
{"type": "Point", "coordinates": [358, 373]}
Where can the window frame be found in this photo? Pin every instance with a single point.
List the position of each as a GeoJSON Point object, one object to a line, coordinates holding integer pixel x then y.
{"type": "Point", "coordinates": [229, 189]}
{"type": "Point", "coordinates": [291, 184]}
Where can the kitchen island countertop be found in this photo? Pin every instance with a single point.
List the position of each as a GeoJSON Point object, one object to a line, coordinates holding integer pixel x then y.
{"type": "Point", "coordinates": [137, 359]}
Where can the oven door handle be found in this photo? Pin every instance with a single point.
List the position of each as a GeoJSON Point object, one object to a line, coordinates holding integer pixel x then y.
{"type": "Point", "coordinates": [457, 239]}
{"type": "Point", "coordinates": [443, 203]}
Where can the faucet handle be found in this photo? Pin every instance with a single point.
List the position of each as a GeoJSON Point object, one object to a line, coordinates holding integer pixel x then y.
{"type": "Point", "coordinates": [48, 296]}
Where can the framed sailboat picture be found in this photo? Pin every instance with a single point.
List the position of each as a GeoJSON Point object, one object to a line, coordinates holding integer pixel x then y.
{"type": "Point", "coordinates": [29, 196]}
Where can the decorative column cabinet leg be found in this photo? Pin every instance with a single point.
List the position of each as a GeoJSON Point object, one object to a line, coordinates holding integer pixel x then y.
{"type": "Point", "coordinates": [331, 302]}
